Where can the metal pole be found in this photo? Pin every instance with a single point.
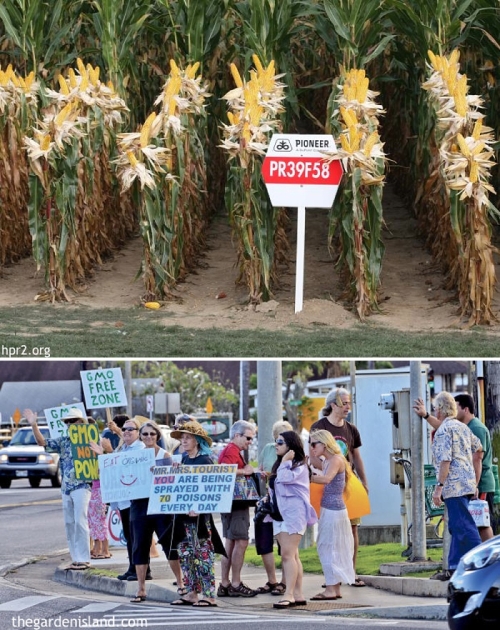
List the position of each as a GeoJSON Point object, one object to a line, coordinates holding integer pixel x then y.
{"type": "Point", "coordinates": [128, 386]}
{"type": "Point", "coordinates": [269, 399]}
{"type": "Point", "coordinates": [299, 268]}
{"type": "Point", "coordinates": [419, 543]}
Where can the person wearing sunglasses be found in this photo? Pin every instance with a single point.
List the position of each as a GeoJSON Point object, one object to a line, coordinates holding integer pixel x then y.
{"type": "Point", "coordinates": [144, 525]}
{"type": "Point", "coordinates": [75, 493]}
{"type": "Point", "coordinates": [335, 543]}
{"type": "Point", "coordinates": [289, 488]}
{"type": "Point", "coordinates": [236, 524]}
{"type": "Point", "coordinates": [335, 419]}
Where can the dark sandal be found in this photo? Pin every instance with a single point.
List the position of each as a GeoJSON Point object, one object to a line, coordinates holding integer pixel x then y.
{"type": "Point", "coordinates": [242, 590]}
{"type": "Point", "coordinates": [182, 590]}
{"type": "Point", "coordinates": [181, 602]}
{"type": "Point", "coordinates": [284, 603]}
{"type": "Point", "coordinates": [222, 591]}
{"type": "Point", "coordinates": [267, 588]}
{"type": "Point", "coordinates": [358, 582]}
{"type": "Point", "coordinates": [279, 589]}
{"type": "Point", "coordinates": [138, 599]}
{"type": "Point", "coordinates": [204, 603]}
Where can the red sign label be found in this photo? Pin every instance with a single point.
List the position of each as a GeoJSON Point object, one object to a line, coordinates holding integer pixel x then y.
{"type": "Point", "coordinates": [301, 170]}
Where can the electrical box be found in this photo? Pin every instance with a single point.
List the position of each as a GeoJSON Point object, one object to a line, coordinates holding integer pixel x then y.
{"type": "Point", "coordinates": [398, 403]}
{"type": "Point", "coordinates": [397, 473]}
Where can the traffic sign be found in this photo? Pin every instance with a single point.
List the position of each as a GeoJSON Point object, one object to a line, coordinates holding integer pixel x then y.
{"type": "Point", "coordinates": [296, 174]}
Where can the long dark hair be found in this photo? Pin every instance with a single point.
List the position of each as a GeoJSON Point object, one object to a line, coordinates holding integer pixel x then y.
{"type": "Point", "coordinates": [294, 443]}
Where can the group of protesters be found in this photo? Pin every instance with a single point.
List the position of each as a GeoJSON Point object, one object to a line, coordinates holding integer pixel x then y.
{"type": "Point", "coordinates": [190, 541]}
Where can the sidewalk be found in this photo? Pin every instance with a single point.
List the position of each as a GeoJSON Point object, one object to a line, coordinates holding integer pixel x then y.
{"type": "Point", "coordinates": [389, 597]}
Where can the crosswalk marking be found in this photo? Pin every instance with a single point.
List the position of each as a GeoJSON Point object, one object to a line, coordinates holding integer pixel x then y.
{"type": "Point", "coordinates": [25, 602]}
{"type": "Point", "coordinates": [97, 607]}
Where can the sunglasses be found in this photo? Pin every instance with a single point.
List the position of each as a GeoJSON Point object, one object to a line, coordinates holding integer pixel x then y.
{"type": "Point", "coordinates": [280, 442]}
{"type": "Point", "coordinates": [248, 439]}
{"type": "Point", "coordinates": [129, 429]}
{"type": "Point", "coordinates": [144, 434]}
{"type": "Point", "coordinates": [70, 420]}
{"type": "Point", "coordinates": [314, 444]}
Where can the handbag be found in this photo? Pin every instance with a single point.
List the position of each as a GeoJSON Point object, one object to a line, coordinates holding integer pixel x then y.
{"type": "Point", "coordinates": [267, 506]}
{"type": "Point", "coordinates": [246, 493]}
{"type": "Point", "coordinates": [480, 512]}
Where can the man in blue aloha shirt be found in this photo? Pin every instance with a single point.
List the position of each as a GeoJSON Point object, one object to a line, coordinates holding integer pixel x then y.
{"type": "Point", "coordinates": [75, 493]}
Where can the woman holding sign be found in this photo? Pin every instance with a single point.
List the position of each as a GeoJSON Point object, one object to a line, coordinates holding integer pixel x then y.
{"type": "Point", "coordinates": [144, 525]}
{"type": "Point", "coordinates": [195, 535]}
{"type": "Point", "coordinates": [335, 540]}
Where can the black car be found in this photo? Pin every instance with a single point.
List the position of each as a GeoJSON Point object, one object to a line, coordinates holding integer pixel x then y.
{"type": "Point", "coordinates": [474, 589]}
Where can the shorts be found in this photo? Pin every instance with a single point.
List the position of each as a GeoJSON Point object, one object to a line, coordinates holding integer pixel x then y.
{"type": "Point", "coordinates": [355, 521]}
{"type": "Point", "coordinates": [279, 527]}
{"type": "Point", "coordinates": [236, 524]}
{"type": "Point", "coordinates": [264, 538]}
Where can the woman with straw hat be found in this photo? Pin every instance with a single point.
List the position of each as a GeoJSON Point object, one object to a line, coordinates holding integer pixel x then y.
{"type": "Point", "coordinates": [195, 535]}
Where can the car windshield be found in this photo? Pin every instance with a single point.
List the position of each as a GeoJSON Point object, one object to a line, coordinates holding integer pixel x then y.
{"type": "Point", "coordinates": [25, 437]}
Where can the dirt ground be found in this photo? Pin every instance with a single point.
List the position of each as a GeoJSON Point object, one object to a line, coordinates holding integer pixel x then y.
{"type": "Point", "coordinates": [412, 296]}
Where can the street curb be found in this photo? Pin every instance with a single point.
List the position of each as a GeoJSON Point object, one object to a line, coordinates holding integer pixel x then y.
{"type": "Point", "coordinates": [419, 587]}
{"type": "Point", "coordinates": [112, 586]}
{"type": "Point", "coordinates": [437, 612]}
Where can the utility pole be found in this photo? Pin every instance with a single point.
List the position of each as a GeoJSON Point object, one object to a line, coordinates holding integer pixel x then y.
{"type": "Point", "coordinates": [419, 542]}
{"type": "Point", "coordinates": [128, 387]}
{"type": "Point", "coordinates": [269, 399]}
{"type": "Point", "coordinates": [244, 379]}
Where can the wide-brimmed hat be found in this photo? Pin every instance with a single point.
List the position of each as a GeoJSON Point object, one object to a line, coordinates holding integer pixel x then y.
{"type": "Point", "coordinates": [74, 412]}
{"type": "Point", "coordinates": [193, 428]}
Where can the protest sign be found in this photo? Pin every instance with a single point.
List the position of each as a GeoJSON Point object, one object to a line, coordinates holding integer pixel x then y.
{"type": "Point", "coordinates": [84, 458]}
{"type": "Point", "coordinates": [202, 488]}
{"type": "Point", "coordinates": [54, 415]}
{"type": "Point", "coordinates": [103, 388]}
{"type": "Point", "coordinates": [126, 475]}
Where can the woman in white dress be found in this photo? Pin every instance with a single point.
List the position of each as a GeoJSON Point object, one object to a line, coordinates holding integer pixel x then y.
{"type": "Point", "coordinates": [335, 542]}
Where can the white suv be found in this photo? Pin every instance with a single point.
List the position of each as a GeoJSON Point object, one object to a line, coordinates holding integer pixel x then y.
{"type": "Point", "coordinates": [21, 457]}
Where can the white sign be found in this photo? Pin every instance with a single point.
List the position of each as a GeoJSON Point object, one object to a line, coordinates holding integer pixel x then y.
{"type": "Point", "coordinates": [149, 403]}
{"type": "Point", "coordinates": [54, 415]}
{"type": "Point", "coordinates": [103, 388]}
{"type": "Point", "coordinates": [126, 475]}
{"type": "Point", "coordinates": [203, 489]}
{"type": "Point", "coordinates": [296, 174]}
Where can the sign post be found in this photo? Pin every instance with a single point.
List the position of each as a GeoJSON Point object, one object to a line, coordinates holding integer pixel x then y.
{"type": "Point", "coordinates": [297, 175]}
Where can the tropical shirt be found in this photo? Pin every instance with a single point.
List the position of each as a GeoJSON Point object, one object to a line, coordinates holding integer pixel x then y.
{"type": "Point", "coordinates": [69, 481]}
{"type": "Point", "coordinates": [454, 442]}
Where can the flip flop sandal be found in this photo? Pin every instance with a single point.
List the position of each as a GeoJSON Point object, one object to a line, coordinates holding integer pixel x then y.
{"type": "Point", "coordinates": [204, 603]}
{"type": "Point", "coordinates": [300, 602]}
{"type": "Point", "coordinates": [284, 603]}
{"type": "Point", "coordinates": [358, 582]}
{"type": "Point", "coordinates": [181, 602]}
{"type": "Point", "coordinates": [320, 598]}
{"type": "Point", "coordinates": [138, 599]}
{"type": "Point", "coordinates": [182, 590]}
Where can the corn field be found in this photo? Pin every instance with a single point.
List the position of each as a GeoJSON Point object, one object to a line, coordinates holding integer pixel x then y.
{"type": "Point", "coordinates": [121, 119]}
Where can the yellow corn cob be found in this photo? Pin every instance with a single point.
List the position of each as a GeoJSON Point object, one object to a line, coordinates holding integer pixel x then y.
{"type": "Point", "coordinates": [171, 106]}
{"type": "Point", "coordinates": [474, 172]}
{"type": "Point", "coordinates": [257, 64]}
{"type": "Point", "coordinates": [354, 137]}
{"type": "Point", "coordinates": [131, 158]}
{"type": "Point", "coordinates": [463, 145]}
{"type": "Point", "coordinates": [344, 141]}
{"type": "Point", "coordinates": [72, 78]}
{"type": "Point", "coordinates": [94, 74]}
{"type": "Point", "coordinates": [433, 59]}
{"type": "Point", "coordinates": [63, 114]}
{"type": "Point", "coordinates": [81, 67]}
{"type": "Point", "coordinates": [44, 142]}
{"type": "Point", "coordinates": [477, 149]}
{"type": "Point", "coordinates": [174, 69]}
{"type": "Point", "coordinates": [84, 83]}
{"type": "Point", "coordinates": [146, 130]}
{"type": "Point", "coordinates": [246, 132]}
{"type": "Point", "coordinates": [478, 125]}
{"type": "Point", "coordinates": [15, 80]}
{"type": "Point", "coordinates": [191, 70]}
{"type": "Point", "coordinates": [370, 143]}
{"type": "Point", "coordinates": [63, 86]}
{"type": "Point", "coordinates": [236, 76]}
{"type": "Point", "coordinates": [454, 57]}
{"type": "Point", "coordinates": [362, 90]}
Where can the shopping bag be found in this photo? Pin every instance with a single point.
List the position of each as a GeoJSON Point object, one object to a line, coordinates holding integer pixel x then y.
{"type": "Point", "coordinates": [480, 512]}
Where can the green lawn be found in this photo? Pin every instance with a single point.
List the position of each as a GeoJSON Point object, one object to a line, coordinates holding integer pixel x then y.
{"type": "Point", "coordinates": [370, 557]}
{"type": "Point", "coordinates": [64, 331]}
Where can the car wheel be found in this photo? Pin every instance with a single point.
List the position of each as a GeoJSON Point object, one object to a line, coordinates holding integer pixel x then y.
{"type": "Point", "coordinates": [5, 483]}
{"type": "Point", "coordinates": [34, 482]}
{"type": "Point", "coordinates": [57, 478]}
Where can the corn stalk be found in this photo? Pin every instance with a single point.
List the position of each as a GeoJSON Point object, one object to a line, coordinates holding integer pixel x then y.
{"type": "Point", "coordinates": [18, 108]}
{"type": "Point", "coordinates": [254, 107]}
{"type": "Point", "coordinates": [69, 150]}
{"type": "Point", "coordinates": [466, 157]}
{"type": "Point", "coordinates": [166, 160]}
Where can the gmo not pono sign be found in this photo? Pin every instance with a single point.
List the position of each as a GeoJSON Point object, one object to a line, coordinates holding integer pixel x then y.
{"type": "Point", "coordinates": [103, 388]}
